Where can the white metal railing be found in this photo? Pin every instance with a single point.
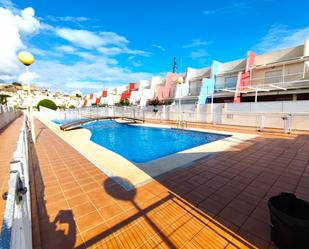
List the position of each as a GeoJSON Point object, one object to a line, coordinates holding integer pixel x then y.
{"type": "Point", "coordinates": [285, 119]}
{"type": "Point", "coordinates": [16, 231]}
{"type": "Point", "coordinates": [279, 82]}
{"type": "Point", "coordinates": [285, 81]}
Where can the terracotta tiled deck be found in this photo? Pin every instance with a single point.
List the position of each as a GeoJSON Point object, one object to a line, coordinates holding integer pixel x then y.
{"type": "Point", "coordinates": [81, 207]}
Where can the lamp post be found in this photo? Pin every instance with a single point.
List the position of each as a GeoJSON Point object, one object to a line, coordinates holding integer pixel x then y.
{"type": "Point", "coordinates": [179, 81]}
{"type": "Point", "coordinates": [27, 59]}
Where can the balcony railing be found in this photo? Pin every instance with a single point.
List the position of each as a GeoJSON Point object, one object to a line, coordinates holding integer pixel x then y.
{"type": "Point", "coordinates": [16, 231]}
{"type": "Point", "coordinates": [284, 81]}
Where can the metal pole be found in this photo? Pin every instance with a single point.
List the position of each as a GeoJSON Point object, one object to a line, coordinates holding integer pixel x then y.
{"type": "Point", "coordinates": [180, 102]}
{"type": "Point", "coordinates": [30, 105]}
{"type": "Point", "coordinates": [256, 92]}
{"type": "Point", "coordinates": [212, 107]}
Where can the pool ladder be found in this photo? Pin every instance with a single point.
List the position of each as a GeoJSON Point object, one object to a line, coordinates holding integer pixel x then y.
{"type": "Point", "coordinates": [182, 124]}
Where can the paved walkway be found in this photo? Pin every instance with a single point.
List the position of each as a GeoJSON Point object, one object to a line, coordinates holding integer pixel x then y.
{"type": "Point", "coordinates": [79, 206]}
{"type": "Point", "coordinates": [8, 143]}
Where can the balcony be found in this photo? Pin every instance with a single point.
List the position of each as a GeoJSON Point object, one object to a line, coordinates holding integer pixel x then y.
{"type": "Point", "coordinates": [280, 81]}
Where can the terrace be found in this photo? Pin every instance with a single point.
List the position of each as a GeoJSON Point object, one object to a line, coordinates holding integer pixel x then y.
{"type": "Point", "coordinates": [218, 202]}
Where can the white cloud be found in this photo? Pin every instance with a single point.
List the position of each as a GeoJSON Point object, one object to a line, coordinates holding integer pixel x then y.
{"type": "Point", "coordinates": [239, 7]}
{"type": "Point", "coordinates": [107, 43]}
{"type": "Point", "coordinates": [94, 66]}
{"type": "Point", "coordinates": [91, 40]}
{"type": "Point", "coordinates": [84, 75]}
{"type": "Point", "coordinates": [13, 29]}
{"type": "Point", "coordinates": [81, 38]}
{"type": "Point", "coordinates": [67, 18]}
{"type": "Point", "coordinates": [134, 62]}
{"type": "Point", "coordinates": [159, 47]}
{"type": "Point", "coordinates": [66, 48]}
{"type": "Point", "coordinates": [197, 43]}
{"type": "Point", "coordinates": [85, 85]}
{"type": "Point", "coordinates": [200, 55]}
{"type": "Point", "coordinates": [8, 4]}
{"type": "Point", "coordinates": [121, 50]}
{"type": "Point", "coordinates": [23, 77]}
{"type": "Point", "coordinates": [280, 37]}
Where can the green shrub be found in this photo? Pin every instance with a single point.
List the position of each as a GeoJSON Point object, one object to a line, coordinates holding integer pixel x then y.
{"type": "Point", "coordinates": [124, 102]}
{"type": "Point", "coordinates": [154, 102]}
{"type": "Point", "coordinates": [72, 107]}
{"type": "Point", "coordinates": [48, 104]}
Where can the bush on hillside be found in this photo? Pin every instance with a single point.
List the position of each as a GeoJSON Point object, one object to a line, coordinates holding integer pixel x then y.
{"type": "Point", "coordinates": [48, 104]}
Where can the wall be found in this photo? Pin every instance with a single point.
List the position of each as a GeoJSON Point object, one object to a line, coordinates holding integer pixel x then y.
{"type": "Point", "coordinates": [283, 54]}
{"type": "Point", "coordinates": [208, 85]}
{"type": "Point", "coordinates": [191, 74]}
{"type": "Point", "coordinates": [7, 117]}
{"type": "Point", "coordinates": [168, 91]}
{"type": "Point", "coordinates": [295, 69]}
{"type": "Point", "coordinates": [269, 107]}
{"type": "Point", "coordinates": [155, 85]}
{"type": "Point", "coordinates": [137, 95]}
{"type": "Point", "coordinates": [236, 65]}
{"type": "Point", "coordinates": [243, 79]}
{"type": "Point", "coordinates": [244, 114]}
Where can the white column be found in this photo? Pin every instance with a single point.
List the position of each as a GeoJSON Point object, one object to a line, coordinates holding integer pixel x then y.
{"type": "Point", "coordinates": [30, 106]}
{"type": "Point", "coordinates": [212, 107]}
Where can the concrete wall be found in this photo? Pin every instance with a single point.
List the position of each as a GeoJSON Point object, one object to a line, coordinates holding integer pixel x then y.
{"type": "Point", "coordinates": [238, 114]}
{"type": "Point", "coordinates": [208, 85]}
{"type": "Point", "coordinates": [306, 48]}
{"type": "Point", "coordinates": [155, 84]}
{"type": "Point", "coordinates": [189, 79]}
{"type": "Point", "coordinates": [243, 79]}
{"type": "Point", "coordinates": [7, 117]}
{"type": "Point", "coordinates": [269, 107]}
{"type": "Point", "coordinates": [168, 91]}
{"type": "Point", "coordinates": [236, 65]}
{"type": "Point", "coordinates": [283, 54]}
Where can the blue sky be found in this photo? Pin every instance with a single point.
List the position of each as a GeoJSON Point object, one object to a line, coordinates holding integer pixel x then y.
{"type": "Point", "coordinates": [91, 44]}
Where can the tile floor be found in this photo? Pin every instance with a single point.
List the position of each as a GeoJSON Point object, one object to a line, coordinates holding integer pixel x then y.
{"type": "Point", "coordinates": [8, 139]}
{"type": "Point", "coordinates": [219, 202]}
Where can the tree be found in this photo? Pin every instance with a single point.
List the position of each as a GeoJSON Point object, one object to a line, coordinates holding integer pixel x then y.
{"type": "Point", "coordinates": [3, 98]}
{"type": "Point", "coordinates": [16, 84]}
{"type": "Point", "coordinates": [124, 102]}
{"type": "Point", "coordinates": [154, 102]}
{"type": "Point", "coordinates": [48, 104]}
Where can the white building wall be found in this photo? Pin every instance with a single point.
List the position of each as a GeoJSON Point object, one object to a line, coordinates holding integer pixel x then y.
{"type": "Point", "coordinates": [150, 93]}
{"type": "Point", "coordinates": [283, 54]}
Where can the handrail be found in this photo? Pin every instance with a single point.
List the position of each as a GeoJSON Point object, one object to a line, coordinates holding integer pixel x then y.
{"type": "Point", "coordinates": [16, 231]}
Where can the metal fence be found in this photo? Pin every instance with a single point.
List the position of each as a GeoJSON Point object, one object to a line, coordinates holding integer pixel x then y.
{"type": "Point", "coordinates": [16, 231]}
{"type": "Point", "coordinates": [286, 121]}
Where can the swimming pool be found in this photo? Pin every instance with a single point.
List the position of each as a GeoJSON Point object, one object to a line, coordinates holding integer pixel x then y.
{"type": "Point", "coordinates": [141, 144]}
{"type": "Point", "coordinates": [65, 121]}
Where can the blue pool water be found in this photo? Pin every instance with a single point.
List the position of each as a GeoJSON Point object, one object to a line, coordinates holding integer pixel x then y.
{"type": "Point", "coordinates": [142, 144]}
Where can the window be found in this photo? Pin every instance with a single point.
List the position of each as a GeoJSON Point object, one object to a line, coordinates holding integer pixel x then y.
{"type": "Point", "coordinates": [230, 82]}
{"type": "Point", "coordinates": [272, 77]}
{"type": "Point", "coordinates": [194, 88]}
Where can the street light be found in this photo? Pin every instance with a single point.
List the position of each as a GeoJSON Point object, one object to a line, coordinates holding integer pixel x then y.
{"type": "Point", "coordinates": [179, 81]}
{"type": "Point", "coordinates": [27, 59]}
